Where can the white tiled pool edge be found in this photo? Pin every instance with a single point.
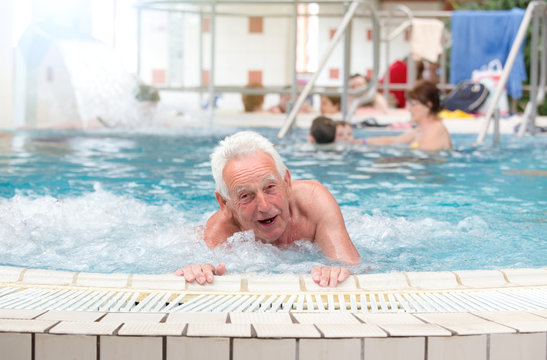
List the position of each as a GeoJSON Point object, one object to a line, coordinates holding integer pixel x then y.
{"type": "Point", "coordinates": [42, 334]}
{"type": "Point", "coordinates": [470, 279]}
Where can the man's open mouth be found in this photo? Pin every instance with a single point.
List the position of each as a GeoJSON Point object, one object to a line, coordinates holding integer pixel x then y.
{"type": "Point", "coordinates": [267, 221]}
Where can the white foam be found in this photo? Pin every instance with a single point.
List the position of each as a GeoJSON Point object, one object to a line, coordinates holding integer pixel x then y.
{"type": "Point", "coordinates": [104, 232]}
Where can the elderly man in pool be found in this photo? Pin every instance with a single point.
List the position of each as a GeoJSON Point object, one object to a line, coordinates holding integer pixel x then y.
{"type": "Point", "coordinates": [255, 192]}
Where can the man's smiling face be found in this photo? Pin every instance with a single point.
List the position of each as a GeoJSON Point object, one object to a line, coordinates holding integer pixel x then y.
{"type": "Point", "coordinates": [259, 196]}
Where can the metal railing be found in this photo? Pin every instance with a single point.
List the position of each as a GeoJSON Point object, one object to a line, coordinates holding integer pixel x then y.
{"type": "Point", "coordinates": [537, 91]}
{"type": "Point", "coordinates": [405, 25]}
{"type": "Point", "coordinates": [534, 10]}
{"type": "Point", "coordinates": [369, 92]}
{"type": "Point", "coordinates": [289, 122]}
{"type": "Point", "coordinates": [211, 9]}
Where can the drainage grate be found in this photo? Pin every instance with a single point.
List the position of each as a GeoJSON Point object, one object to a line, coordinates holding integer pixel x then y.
{"type": "Point", "coordinates": [86, 299]}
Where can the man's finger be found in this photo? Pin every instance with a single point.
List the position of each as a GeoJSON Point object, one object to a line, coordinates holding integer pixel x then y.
{"type": "Point", "coordinates": [334, 273]}
{"type": "Point", "coordinates": [188, 273]}
{"type": "Point", "coordinates": [325, 275]}
{"type": "Point", "coordinates": [198, 274]}
{"type": "Point", "coordinates": [221, 269]}
{"type": "Point", "coordinates": [344, 274]}
{"type": "Point", "coordinates": [316, 274]}
{"type": "Point", "coordinates": [208, 271]}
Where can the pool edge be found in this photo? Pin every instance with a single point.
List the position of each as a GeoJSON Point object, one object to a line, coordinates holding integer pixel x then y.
{"type": "Point", "coordinates": [47, 334]}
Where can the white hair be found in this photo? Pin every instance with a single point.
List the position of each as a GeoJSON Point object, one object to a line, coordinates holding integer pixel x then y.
{"type": "Point", "coordinates": [241, 144]}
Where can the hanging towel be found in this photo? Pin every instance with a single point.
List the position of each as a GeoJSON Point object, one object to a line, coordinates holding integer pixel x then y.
{"type": "Point", "coordinates": [426, 39]}
{"type": "Point", "coordinates": [479, 37]}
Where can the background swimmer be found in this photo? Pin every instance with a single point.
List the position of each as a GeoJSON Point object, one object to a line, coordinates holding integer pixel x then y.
{"type": "Point", "coordinates": [424, 104]}
{"type": "Point", "coordinates": [322, 130]}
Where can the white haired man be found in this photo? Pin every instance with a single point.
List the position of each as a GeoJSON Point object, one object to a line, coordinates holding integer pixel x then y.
{"type": "Point", "coordinates": [255, 192]}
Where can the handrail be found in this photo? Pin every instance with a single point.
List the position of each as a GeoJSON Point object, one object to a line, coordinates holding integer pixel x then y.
{"type": "Point", "coordinates": [535, 99]}
{"type": "Point", "coordinates": [411, 68]}
{"type": "Point", "coordinates": [370, 91]}
{"type": "Point", "coordinates": [305, 92]}
{"type": "Point", "coordinates": [517, 43]}
{"type": "Point", "coordinates": [398, 30]}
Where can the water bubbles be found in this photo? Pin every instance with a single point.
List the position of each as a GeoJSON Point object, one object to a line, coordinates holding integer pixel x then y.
{"type": "Point", "coordinates": [473, 224]}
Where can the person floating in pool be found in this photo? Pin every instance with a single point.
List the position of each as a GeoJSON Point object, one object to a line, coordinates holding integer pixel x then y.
{"type": "Point", "coordinates": [255, 192]}
{"type": "Point", "coordinates": [430, 134]}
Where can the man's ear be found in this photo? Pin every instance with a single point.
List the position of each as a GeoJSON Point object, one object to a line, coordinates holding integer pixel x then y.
{"type": "Point", "coordinates": [311, 139]}
{"type": "Point", "coordinates": [221, 201]}
{"type": "Point", "coordinates": [287, 177]}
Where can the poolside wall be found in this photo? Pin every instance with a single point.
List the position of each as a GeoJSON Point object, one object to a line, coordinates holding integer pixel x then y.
{"type": "Point", "coordinates": [142, 336]}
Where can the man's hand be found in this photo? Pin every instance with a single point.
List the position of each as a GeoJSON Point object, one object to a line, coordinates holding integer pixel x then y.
{"type": "Point", "coordinates": [329, 276]}
{"type": "Point", "coordinates": [201, 273]}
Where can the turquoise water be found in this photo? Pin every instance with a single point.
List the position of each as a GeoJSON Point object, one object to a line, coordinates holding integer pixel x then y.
{"type": "Point", "coordinates": [131, 202]}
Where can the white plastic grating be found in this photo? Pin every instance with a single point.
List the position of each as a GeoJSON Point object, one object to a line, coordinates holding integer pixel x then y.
{"type": "Point", "coordinates": [86, 299]}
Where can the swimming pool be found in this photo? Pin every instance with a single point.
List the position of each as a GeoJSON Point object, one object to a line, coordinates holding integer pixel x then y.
{"type": "Point", "coordinates": [131, 202]}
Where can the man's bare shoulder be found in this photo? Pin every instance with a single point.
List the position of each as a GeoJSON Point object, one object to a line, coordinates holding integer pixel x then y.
{"type": "Point", "coordinates": [311, 195]}
{"type": "Point", "coordinates": [304, 188]}
{"type": "Point", "coordinates": [218, 228]}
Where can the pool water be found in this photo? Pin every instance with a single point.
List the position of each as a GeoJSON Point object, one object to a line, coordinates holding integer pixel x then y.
{"type": "Point", "coordinates": [112, 201]}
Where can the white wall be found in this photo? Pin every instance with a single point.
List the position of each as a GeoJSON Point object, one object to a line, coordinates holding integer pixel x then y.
{"type": "Point", "coordinates": [69, 15]}
{"type": "Point", "coordinates": [237, 51]}
{"type": "Point", "coordinates": [6, 64]}
{"type": "Point", "coordinates": [55, 100]}
{"type": "Point", "coordinates": [154, 44]}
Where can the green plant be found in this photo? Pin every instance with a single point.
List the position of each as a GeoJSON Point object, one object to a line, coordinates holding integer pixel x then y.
{"type": "Point", "coordinates": [147, 93]}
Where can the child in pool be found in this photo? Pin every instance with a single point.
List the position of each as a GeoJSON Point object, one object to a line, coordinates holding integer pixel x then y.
{"type": "Point", "coordinates": [344, 132]}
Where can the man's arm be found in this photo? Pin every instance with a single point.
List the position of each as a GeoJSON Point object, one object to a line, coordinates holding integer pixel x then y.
{"type": "Point", "coordinates": [221, 225]}
{"type": "Point", "coordinates": [218, 228]}
{"type": "Point", "coordinates": [331, 236]}
{"type": "Point", "coordinates": [214, 234]}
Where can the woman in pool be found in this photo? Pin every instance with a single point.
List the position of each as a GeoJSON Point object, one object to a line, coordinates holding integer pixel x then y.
{"type": "Point", "coordinates": [430, 134]}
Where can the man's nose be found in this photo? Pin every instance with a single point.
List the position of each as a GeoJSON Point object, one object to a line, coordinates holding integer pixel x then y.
{"type": "Point", "coordinates": [262, 202]}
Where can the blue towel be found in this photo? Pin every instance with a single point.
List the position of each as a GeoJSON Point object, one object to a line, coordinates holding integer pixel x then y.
{"type": "Point", "coordinates": [479, 37]}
